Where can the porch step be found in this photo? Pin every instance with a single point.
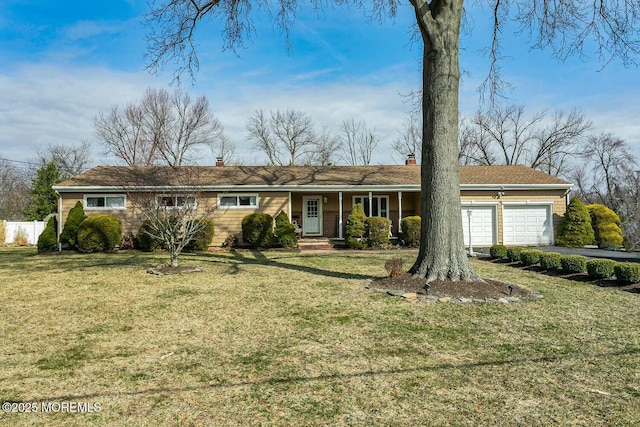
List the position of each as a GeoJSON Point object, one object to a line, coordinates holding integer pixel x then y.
{"type": "Point", "coordinates": [314, 244]}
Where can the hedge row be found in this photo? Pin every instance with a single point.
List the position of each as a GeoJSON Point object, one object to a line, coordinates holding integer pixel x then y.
{"type": "Point", "coordinates": [625, 272]}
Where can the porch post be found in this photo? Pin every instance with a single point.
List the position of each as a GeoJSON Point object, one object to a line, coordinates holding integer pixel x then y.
{"type": "Point", "coordinates": [399, 212]}
{"type": "Point", "coordinates": [289, 207]}
{"type": "Point", "coordinates": [370, 203]}
{"type": "Point", "coordinates": [340, 215]}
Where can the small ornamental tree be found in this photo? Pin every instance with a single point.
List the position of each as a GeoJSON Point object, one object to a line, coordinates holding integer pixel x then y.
{"type": "Point", "coordinates": [285, 232]}
{"type": "Point", "coordinates": [606, 226]}
{"type": "Point", "coordinates": [575, 229]}
{"type": "Point", "coordinates": [356, 236]}
{"type": "Point", "coordinates": [69, 234]}
{"type": "Point", "coordinates": [47, 240]}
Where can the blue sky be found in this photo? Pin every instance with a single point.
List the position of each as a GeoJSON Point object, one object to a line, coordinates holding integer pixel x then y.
{"type": "Point", "coordinates": [63, 62]}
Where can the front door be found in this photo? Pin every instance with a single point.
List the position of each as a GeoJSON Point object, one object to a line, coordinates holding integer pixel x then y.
{"type": "Point", "coordinates": [312, 216]}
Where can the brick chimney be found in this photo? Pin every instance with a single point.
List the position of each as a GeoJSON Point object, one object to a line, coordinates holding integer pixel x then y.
{"type": "Point", "coordinates": [411, 160]}
{"type": "Point", "coordinates": [219, 162]}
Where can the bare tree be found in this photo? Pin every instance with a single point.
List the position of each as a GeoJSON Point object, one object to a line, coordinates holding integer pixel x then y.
{"type": "Point", "coordinates": [175, 215]}
{"type": "Point", "coordinates": [410, 139]}
{"type": "Point", "coordinates": [506, 136]}
{"type": "Point", "coordinates": [568, 27]}
{"type": "Point", "coordinates": [226, 150]}
{"type": "Point", "coordinates": [325, 150]}
{"type": "Point", "coordinates": [71, 160]}
{"type": "Point", "coordinates": [284, 137]}
{"type": "Point", "coordinates": [162, 128]}
{"type": "Point", "coordinates": [14, 191]}
{"type": "Point", "coordinates": [358, 142]}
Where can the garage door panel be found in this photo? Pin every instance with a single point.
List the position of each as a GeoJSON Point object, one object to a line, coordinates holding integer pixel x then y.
{"type": "Point", "coordinates": [527, 225]}
{"type": "Point", "coordinates": [482, 225]}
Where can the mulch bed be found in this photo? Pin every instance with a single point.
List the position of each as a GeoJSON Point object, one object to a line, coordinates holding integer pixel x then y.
{"type": "Point", "coordinates": [479, 290]}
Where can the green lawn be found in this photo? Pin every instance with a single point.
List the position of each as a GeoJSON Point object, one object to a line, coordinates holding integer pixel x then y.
{"type": "Point", "coordinates": [280, 338]}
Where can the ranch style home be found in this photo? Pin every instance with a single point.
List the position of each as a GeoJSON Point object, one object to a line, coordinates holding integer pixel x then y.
{"type": "Point", "coordinates": [510, 205]}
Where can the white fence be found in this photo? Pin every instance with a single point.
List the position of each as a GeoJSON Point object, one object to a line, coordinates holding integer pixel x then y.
{"type": "Point", "coordinates": [31, 230]}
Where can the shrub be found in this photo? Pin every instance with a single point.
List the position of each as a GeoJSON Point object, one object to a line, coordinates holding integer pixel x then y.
{"type": "Point", "coordinates": [379, 229]}
{"type": "Point", "coordinates": [128, 241]}
{"type": "Point", "coordinates": [202, 238]}
{"type": "Point", "coordinates": [574, 263]}
{"type": "Point", "coordinates": [99, 233]}
{"type": "Point", "coordinates": [627, 272]}
{"type": "Point", "coordinates": [606, 226]}
{"type": "Point", "coordinates": [575, 229]}
{"type": "Point", "coordinates": [513, 254]}
{"type": "Point", "coordinates": [600, 268]}
{"type": "Point", "coordinates": [411, 231]}
{"type": "Point", "coordinates": [21, 238]}
{"type": "Point", "coordinates": [257, 230]}
{"type": "Point", "coordinates": [47, 240]}
{"type": "Point", "coordinates": [285, 231]}
{"type": "Point", "coordinates": [146, 242]}
{"type": "Point", "coordinates": [550, 260]}
{"type": "Point", "coordinates": [394, 266]}
{"type": "Point", "coordinates": [498, 251]}
{"type": "Point", "coordinates": [230, 243]}
{"type": "Point", "coordinates": [356, 228]}
{"type": "Point", "coordinates": [530, 256]}
{"type": "Point", "coordinates": [69, 234]}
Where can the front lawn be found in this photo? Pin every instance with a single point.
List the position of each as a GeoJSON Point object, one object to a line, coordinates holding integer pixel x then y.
{"type": "Point", "coordinates": [281, 338]}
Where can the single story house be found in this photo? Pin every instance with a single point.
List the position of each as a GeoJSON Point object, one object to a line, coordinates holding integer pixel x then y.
{"type": "Point", "coordinates": [510, 205]}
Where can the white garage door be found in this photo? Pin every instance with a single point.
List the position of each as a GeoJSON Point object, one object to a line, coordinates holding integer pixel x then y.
{"type": "Point", "coordinates": [482, 225]}
{"type": "Point", "coordinates": [527, 225]}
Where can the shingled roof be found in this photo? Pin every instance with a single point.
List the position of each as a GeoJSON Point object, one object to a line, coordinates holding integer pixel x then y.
{"type": "Point", "coordinates": [293, 177]}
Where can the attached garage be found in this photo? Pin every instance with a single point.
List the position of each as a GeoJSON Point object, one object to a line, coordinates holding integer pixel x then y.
{"type": "Point", "coordinates": [527, 225]}
{"type": "Point", "coordinates": [483, 225]}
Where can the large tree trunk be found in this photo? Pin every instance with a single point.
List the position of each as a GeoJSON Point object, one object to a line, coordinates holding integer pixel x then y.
{"type": "Point", "coordinates": [442, 255]}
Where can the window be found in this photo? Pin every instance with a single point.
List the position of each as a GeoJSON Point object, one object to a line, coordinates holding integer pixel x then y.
{"type": "Point", "coordinates": [238, 201]}
{"type": "Point", "coordinates": [102, 202]}
{"type": "Point", "coordinates": [176, 201]}
{"type": "Point", "coordinates": [380, 205]}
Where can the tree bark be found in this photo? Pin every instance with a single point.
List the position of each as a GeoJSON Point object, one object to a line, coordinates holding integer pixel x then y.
{"type": "Point", "coordinates": [442, 255]}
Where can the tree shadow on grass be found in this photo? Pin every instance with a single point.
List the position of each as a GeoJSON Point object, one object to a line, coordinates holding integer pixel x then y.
{"type": "Point", "coordinates": [339, 377]}
{"type": "Point", "coordinates": [239, 259]}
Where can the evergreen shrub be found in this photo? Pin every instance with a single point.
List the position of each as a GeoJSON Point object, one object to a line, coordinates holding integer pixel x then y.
{"type": "Point", "coordinates": [378, 231]}
{"type": "Point", "coordinates": [99, 233]}
{"type": "Point", "coordinates": [257, 230]}
{"type": "Point", "coordinates": [574, 263]}
{"type": "Point", "coordinates": [146, 242]}
{"type": "Point", "coordinates": [411, 231]}
{"type": "Point", "coordinates": [202, 238]}
{"type": "Point", "coordinates": [285, 232]}
{"type": "Point", "coordinates": [550, 261]}
{"type": "Point", "coordinates": [498, 251]}
{"type": "Point", "coordinates": [575, 229]}
{"type": "Point", "coordinates": [47, 240]}
{"type": "Point", "coordinates": [600, 268]}
{"type": "Point", "coordinates": [606, 226]}
{"type": "Point", "coordinates": [69, 234]}
{"type": "Point", "coordinates": [530, 256]}
{"type": "Point", "coordinates": [356, 229]}
{"type": "Point", "coordinates": [513, 254]}
{"type": "Point", "coordinates": [627, 272]}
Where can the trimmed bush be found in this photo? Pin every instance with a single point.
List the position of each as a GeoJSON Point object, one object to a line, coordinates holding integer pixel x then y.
{"type": "Point", "coordinates": [285, 232]}
{"type": "Point", "coordinates": [574, 263]}
{"type": "Point", "coordinates": [69, 234]}
{"type": "Point", "coordinates": [99, 233]}
{"type": "Point", "coordinates": [356, 229]}
{"type": "Point", "coordinates": [498, 251]}
{"type": "Point", "coordinates": [575, 229]}
{"type": "Point", "coordinates": [530, 256]}
{"type": "Point", "coordinates": [378, 231]}
{"type": "Point", "coordinates": [606, 226]}
{"type": "Point", "coordinates": [202, 238]}
{"type": "Point", "coordinates": [513, 254]}
{"type": "Point", "coordinates": [144, 241]}
{"type": "Point", "coordinates": [627, 272]}
{"type": "Point", "coordinates": [47, 240]}
{"type": "Point", "coordinates": [600, 268]}
{"type": "Point", "coordinates": [411, 231]}
{"type": "Point", "coordinates": [257, 230]}
{"type": "Point", "coordinates": [550, 260]}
